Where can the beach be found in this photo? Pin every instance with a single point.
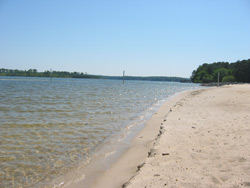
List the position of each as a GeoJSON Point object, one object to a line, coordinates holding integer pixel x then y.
{"type": "Point", "coordinates": [199, 138]}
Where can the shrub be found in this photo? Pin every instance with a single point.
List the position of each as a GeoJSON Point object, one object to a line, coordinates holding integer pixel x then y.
{"type": "Point", "coordinates": [228, 79]}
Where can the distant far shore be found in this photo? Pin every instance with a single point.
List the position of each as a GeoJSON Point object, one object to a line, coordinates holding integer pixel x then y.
{"type": "Point", "coordinates": [65, 74]}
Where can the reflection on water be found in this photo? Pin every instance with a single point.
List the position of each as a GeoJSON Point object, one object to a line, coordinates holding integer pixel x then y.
{"type": "Point", "coordinates": [47, 128]}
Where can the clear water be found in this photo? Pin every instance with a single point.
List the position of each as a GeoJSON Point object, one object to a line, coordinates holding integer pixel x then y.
{"type": "Point", "coordinates": [48, 128]}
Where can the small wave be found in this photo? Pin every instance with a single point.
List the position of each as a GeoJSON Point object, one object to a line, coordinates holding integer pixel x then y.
{"type": "Point", "coordinates": [109, 153]}
{"type": "Point", "coordinates": [122, 138]}
{"type": "Point", "coordinates": [59, 185]}
{"type": "Point", "coordinates": [130, 126]}
{"type": "Point", "coordinates": [79, 179]}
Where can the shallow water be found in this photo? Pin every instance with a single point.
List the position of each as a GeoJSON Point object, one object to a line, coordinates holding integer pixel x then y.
{"type": "Point", "coordinates": [48, 128]}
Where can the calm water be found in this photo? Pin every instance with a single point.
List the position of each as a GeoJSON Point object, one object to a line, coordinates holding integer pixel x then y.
{"type": "Point", "coordinates": [48, 128]}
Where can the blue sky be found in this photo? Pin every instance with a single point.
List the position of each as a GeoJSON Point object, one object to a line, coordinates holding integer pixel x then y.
{"type": "Point", "coordinates": [142, 37]}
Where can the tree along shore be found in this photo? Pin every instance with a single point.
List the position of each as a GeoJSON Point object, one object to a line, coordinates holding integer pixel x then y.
{"type": "Point", "coordinates": [226, 72]}
{"type": "Point", "coordinates": [65, 74]}
{"type": "Point", "coordinates": [35, 73]}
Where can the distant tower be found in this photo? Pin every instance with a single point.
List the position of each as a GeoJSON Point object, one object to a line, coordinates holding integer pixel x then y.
{"type": "Point", "coordinates": [123, 76]}
{"type": "Point", "coordinates": [50, 75]}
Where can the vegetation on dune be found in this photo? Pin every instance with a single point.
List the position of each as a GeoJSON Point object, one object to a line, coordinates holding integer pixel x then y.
{"type": "Point", "coordinates": [228, 72]}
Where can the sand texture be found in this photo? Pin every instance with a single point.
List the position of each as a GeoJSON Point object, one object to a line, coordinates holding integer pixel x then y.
{"type": "Point", "coordinates": [204, 141]}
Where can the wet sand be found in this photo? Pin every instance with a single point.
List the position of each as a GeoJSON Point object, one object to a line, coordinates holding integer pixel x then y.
{"type": "Point", "coordinates": [197, 139]}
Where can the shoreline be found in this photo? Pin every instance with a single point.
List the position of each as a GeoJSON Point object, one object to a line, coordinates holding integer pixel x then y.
{"type": "Point", "coordinates": [126, 164]}
{"type": "Point", "coordinates": [102, 156]}
{"type": "Point", "coordinates": [198, 138]}
{"type": "Point", "coordinates": [182, 120]}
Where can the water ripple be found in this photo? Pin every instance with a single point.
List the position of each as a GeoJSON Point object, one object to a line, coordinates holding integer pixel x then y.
{"type": "Point", "coordinates": [47, 128]}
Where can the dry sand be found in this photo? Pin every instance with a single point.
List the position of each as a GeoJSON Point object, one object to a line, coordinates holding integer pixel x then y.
{"type": "Point", "coordinates": [198, 139]}
{"type": "Point", "coordinates": [206, 142]}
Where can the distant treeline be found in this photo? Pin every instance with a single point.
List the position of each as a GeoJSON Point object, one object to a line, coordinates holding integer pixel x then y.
{"type": "Point", "coordinates": [64, 74]}
{"type": "Point", "coordinates": [149, 78]}
{"type": "Point", "coordinates": [35, 73]}
{"type": "Point", "coordinates": [228, 72]}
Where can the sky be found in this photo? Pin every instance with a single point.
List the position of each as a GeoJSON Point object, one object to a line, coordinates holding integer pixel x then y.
{"type": "Point", "coordinates": [105, 37]}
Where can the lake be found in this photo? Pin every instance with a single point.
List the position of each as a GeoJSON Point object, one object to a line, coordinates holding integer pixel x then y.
{"type": "Point", "coordinates": [48, 128]}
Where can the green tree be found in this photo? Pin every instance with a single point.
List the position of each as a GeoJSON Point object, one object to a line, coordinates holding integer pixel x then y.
{"type": "Point", "coordinates": [207, 78]}
{"type": "Point", "coordinates": [222, 71]}
{"type": "Point", "coordinates": [228, 79]}
{"type": "Point", "coordinates": [239, 70]}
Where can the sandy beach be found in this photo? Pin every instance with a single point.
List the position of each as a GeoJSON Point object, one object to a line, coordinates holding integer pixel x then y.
{"type": "Point", "coordinates": [197, 139]}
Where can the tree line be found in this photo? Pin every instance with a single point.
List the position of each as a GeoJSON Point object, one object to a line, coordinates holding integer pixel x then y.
{"type": "Point", "coordinates": [149, 78]}
{"type": "Point", "coordinates": [35, 73]}
{"type": "Point", "coordinates": [65, 74]}
{"type": "Point", "coordinates": [228, 72]}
